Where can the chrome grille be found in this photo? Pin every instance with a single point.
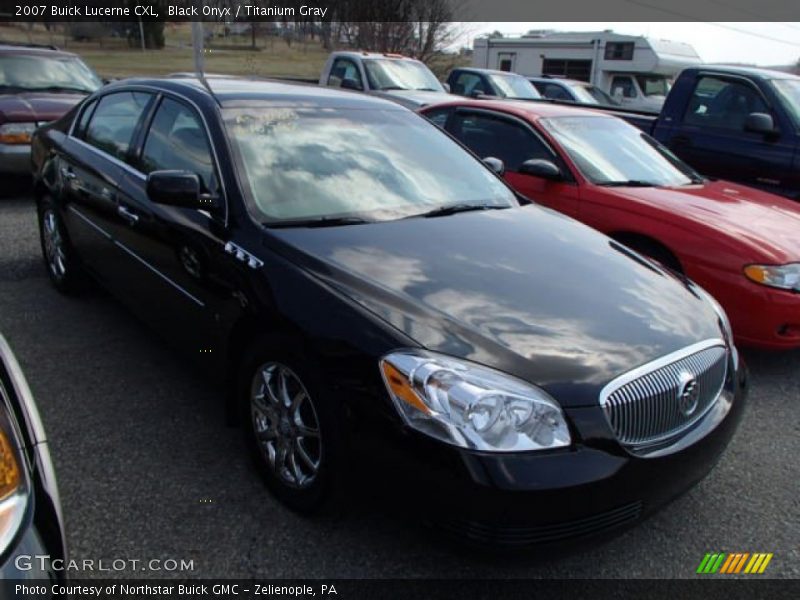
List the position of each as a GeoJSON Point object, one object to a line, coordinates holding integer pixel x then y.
{"type": "Point", "coordinates": [645, 407]}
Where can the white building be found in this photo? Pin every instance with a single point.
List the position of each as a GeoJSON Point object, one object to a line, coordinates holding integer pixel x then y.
{"type": "Point", "coordinates": [635, 69]}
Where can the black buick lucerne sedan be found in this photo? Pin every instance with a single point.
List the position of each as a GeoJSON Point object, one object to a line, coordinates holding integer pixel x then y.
{"type": "Point", "coordinates": [371, 292]}
{"type": "Point", "coordinates": [31, 527]}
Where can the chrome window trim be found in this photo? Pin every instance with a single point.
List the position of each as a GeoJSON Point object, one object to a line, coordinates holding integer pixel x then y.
{"type": "Point", "coordinates": [123, 247]}
{"type": "Point", "coordinates": [656, 364]}
{"type": "Point", "coordinates": [159, 93]}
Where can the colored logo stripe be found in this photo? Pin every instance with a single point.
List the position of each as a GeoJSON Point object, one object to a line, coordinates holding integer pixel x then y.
{"type": "Point", "coordinates": [734, 563]}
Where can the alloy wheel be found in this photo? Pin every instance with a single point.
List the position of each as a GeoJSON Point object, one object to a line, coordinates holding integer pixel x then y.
{"type": "Point", "coordinates": [285, 424]}
{"type": "Point", "coordinates": [54, 245]}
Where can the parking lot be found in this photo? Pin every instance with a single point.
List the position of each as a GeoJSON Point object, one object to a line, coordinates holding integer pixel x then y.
{"type": "Point", "coordinates": [148, 469]}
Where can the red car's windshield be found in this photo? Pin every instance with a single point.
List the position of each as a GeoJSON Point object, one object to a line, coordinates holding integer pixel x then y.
{"type": "Point", "coordinates": [23, 72]}
{"type": "Point", "coordinates": [609, 151]}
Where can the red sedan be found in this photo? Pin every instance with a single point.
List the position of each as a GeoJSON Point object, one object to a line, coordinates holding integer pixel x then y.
{"type": "Point", "coordinates": [740, 244]}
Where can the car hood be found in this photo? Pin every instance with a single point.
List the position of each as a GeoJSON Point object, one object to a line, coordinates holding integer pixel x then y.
{"type": "Point", "coordinates": [35, 106]}
{"type": "Point", "coordinates": [415, 99]}
{"type": "Point", "coordinates": [766, 224]}
{"type": "Point", "coordinates": [524, 290]}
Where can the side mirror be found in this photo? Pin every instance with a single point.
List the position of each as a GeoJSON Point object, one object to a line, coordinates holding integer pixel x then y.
{"type": "Point", "coordinates": [351, 84]}
{"type": "Point", "coordinates": [538, 167]}
{"type": "Point", "coordinates": [495, 164]}
{"type": "Point", "coordinates": [759, 123]}
{"type": "Point", "coordinates": [475, 94]}
{"type": "Point", "coordinates": [446, 87]}
{"type": "Point", "coordinates": [178, 188]}
{"type": "Point", "coordinates": [617, 94]}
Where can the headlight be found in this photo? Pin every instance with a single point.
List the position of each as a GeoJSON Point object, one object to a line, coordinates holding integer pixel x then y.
{"type": "Point", "coordinates": [785, 277]}
{"type": "Point", "coordinates": [16, 133]}
{"type": "Point", "coordinates": [13, 479]}
{"type": "Point", "coordinates": [471, 406]}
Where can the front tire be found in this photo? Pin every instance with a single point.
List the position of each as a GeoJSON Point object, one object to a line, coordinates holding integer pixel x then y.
{"type": "Point", "coordinates": [291, 428]}
{"type": "Point", "coordinates": [59, 257]}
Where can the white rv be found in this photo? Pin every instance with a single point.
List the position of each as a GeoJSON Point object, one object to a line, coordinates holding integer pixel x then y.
{"type": "Point", "coordinates": [635, 70]}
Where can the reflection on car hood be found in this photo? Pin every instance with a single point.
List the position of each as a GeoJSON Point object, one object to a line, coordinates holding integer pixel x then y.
{"type": "Point", "coordinates": [36, 106]}
{"type": "Point", "coordinates": [524, 290]}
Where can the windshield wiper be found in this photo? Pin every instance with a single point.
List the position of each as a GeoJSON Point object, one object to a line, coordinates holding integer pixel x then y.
{"type": "Point", "coordinates": [452, 209]}
{"type": "Point", "coordinates": [59, 88]}
{"type": "Point", "coordinates": [628, 183]}
{"type": "Point", "coordinates": [317, 222]}
{"type": "Point", "coordinates": [389, 88]}
{"type": "Point", "coordinates": [427, 90]}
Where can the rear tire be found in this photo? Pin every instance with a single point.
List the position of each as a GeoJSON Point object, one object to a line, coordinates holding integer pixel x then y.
{"type": "Point", "coordinates": [60, 259]}
{"type": "Point", "coordinates": [291, 428]}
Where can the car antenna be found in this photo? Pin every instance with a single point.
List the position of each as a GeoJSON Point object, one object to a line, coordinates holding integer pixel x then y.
{"type": "Point", "coordinates": [198, 49]}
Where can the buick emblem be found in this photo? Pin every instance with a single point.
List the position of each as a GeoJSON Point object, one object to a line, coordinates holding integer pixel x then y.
{"type": "Point", "coordinates": [688, 394]}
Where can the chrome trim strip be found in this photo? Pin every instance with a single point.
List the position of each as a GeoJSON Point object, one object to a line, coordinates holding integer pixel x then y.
{"type": "Point", "coordinates": [159, 273]}
{"type": "Point", "coordinates": [137, 257]}
{"type": "Point", "coordinates": [663, 361]}
{"type": "Point", "coordinates": [91, 223]}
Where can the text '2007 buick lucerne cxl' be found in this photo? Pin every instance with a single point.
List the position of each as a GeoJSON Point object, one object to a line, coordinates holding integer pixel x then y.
{"type": "Point", "coordinates": [373, 294]}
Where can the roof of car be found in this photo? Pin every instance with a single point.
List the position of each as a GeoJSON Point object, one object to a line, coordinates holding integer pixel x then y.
{"type": "Point", "coordinates": [527, 109]}
{"type": "Point", "coordinates": [562, 80]}
{"type": "Point", "coordinates": [487, 71]}
{"type": "Point", "coordinates": [232, 92]}
{"type": "Point", "coordinates": [749, 71]}
{"type": "Point", "coordinates": [370, 55]}
{"type": "Point", "coordinates": [32, 49]}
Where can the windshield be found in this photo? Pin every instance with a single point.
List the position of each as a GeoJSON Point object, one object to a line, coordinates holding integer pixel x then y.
{"type": "Point", "coordinates": [653, 85]}
{"type": "Point", "coordinates": [789, 91]}
{"type": "Point", "coordinates": [608, 150]}
{"type": "Point", "coordinates": [393, 74]}
{"type": "Point", "coordinates": [26, 72]}
{"type": "Point", "coordinates": [375, 164]}
{"type": "Point", "coordinates": [514, 86]}
{"type": "Point", "coordinates": [593, 95]}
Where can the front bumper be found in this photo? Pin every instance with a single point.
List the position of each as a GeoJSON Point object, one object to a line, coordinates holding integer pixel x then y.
{"type": "Point", "coordinates": [550, 498]}
{"type": "Point", "coordinates": [15, 159]}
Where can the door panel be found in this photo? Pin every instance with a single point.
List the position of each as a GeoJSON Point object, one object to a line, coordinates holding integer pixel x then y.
{"type": "Point", "coordinates": [558, 195]}
{"type": "Point", "coordinates": [711, 136]}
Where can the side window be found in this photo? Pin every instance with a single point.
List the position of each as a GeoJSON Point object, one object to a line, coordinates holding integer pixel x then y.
{"type": "Point", "coordinates": [343, 68]}
{"type": "Point", "coordinates": [491, 136]}
{"type": "Point", "coordinates": [625, 84]}
{"type": "Point", "coordinates": [112, 125]}
{"type": "Point", "coordinates": [177, 140]}
{"type": "Point", "coordinates": [439, 117]}
{"type": "Point", "coordinates": [723, 103]}
{"type": "Point", "coordinates": [556, 92]}
{"type": "Point", "coordinates": [468, 83]}
{"type": "Point", "coordinates": [83, 120]}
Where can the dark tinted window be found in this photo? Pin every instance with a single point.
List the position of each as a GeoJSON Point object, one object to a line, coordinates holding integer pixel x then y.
{"type": "Point", "coordinates": [467, 84]}
{"type": "Point", "coordinates": [723, 103]}
{"type": "Point", "coordinates": [625, 84]}
{"type": "Point", "coordinates": [439, 116]}
{"type": "Point", "coordinates": [114, 121]}
{"type": "Point", "coordinates": [177, 140]}
{"type": "Point", "coordinates": [571, 69]}
{"type": "Point", "coordinates": [343, 68]}
{"type": "Point", "coordinates": [83, 121]}
{"type": "Point", "coordinates": [500, 138]}
{"type": "Point", "coordinates": [619, 51]}
{"type": "Point", "coordinates": [556, 92]}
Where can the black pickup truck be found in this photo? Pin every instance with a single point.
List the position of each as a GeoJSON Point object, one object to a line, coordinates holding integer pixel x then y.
{"type": "Point", "coordinates": [735, 123]}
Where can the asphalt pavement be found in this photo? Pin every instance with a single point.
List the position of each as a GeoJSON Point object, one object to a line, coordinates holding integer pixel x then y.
{"type": "Point", "coordinates": [148, 469]}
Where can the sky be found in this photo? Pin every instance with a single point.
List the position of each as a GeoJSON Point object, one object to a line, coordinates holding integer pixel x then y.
{"type": "Point", "coordinates": [766, 44]}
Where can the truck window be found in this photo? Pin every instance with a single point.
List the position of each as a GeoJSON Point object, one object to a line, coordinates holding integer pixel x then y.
{"type": "Point", "coordinates": [343, 68]}
{"type": "Point", "coordinates": [723, 103]}
{"type": "Point", "coordinates": [467, 84]}
{"type": "Point", "coordinates": [625, 84]}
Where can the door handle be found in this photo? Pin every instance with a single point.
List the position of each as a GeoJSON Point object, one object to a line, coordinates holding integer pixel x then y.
{"type": "Point", "coordinates": [67, 173]}
{"type": "Point", "coordinates": [127, 214]}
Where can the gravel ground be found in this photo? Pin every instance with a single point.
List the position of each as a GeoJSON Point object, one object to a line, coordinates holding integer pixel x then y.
{"type": "Point", "coordinates": [147, 468]}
